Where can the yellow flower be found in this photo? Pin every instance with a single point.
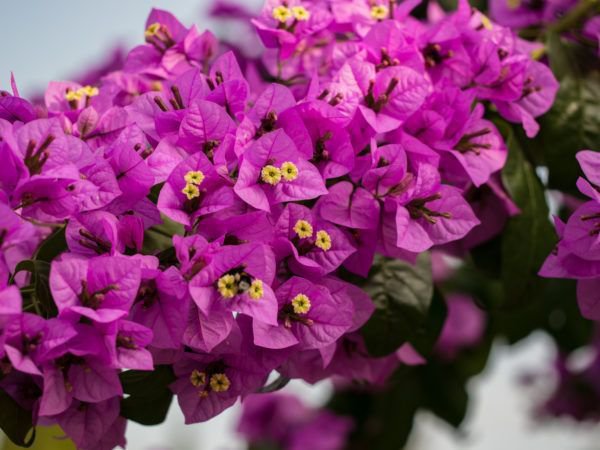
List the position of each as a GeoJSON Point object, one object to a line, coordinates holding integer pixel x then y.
{"type": "Point", "coordinates": [289, 171]}
{"type": "Point", "coordinates": [379, 12]}
{"type": "Point", "coordinates": [194, 177]}
{"type": "Point", "coordinates": [227, 286]}
{"type": "Point", "coordinates": [303, 229]}
{"type": "Point", "coordinates": [152, 30]}
{"type": "Point", "coordinates": [219, 382]}
{"type": "Point", "coordinates": [301, 304]}
{"type": "Point", "coordinates": [300, 13]}
{"type": "Point", "coordinates": [256, 290]}
{"type": "Point", "coordinates": [191, 191]}
{"type": "Point", "coordinates": [73, 96]}
{"type": "Point", "coordinates": [198, 378]}
{"type": "Point", "coordinates": [270, 174]}
{"type": "Point", "coordinates": [90, 91]}
{"type": "Point", "coordinates": [282, 14]}
{"type": "Point", "coordinates": [323, 240]}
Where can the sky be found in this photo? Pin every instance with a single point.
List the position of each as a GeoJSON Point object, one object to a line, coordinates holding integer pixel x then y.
{"type": "Point", "coordinates": [43, 40]}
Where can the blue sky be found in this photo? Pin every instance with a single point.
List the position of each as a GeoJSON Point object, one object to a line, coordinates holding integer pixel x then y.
{"type": "Point", "coordinates": [43, 40]}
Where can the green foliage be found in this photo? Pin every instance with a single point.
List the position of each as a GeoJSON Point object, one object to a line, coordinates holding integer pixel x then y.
{"type": "Point", "coordinates": [573, 123]}
{"type": "Point", "coordinates": [52, 246]}
{"type": "Point", "coordinates": [37, 296]}
{"type": "Point", "coordinates": [402, 294]}
{"type": "Point", "coordinates": [159, 238]}
{"type": "Point", "coordinates": [384, 418]}
{"type": "Point", "coordinates": [528, 237]}
{"type": "Point", "coordinates": [15, 421]}
{"type": "Point", "coordinates": [149, 397]}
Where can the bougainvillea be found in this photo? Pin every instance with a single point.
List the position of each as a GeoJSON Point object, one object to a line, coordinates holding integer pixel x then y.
{"type": "Point", "coordinates": [199, 218]}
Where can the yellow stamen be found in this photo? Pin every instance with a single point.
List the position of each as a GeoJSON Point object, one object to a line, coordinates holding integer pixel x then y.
{"type": "Point", "coordinates": [282, 14]}
{"type": "Point", "coordinates": [219, 382]}
{"type": "Point", "coordinates": [156, 86]}
{"type": "Point", "coordinates": [191, 191]}
{"type": "Point", "coordinates": [197, 378]}
{"type": "Point", "coordinates": [73, 96]}
{"type": "Point", "coordinates": [486, 22]}
{"type": "Point", "coordinates": [379, 12]}
{"type": "Point", "coordinates": [194, 177]}
{"type": "Point", "coordinates": [513, 4]}
{"type": "Point", "coordinates": [323, 240]}
{"type": "Point", "coordinates": [538, 53]}
{"type": "Point", "coordinates": [270, 174]}
{"type": "Point", "coordinates": [202, 394]}
{"type": "Point", "coordinates": [227, 286]}
{"type": "Point", "coordinates": [152, 30]}
{"type": "Point", "coordinates": [256, 290]}
{"type": "Point", "coordinates": [90, 91]}
{"type": "Point", "coordinates": [300, 13]}
{"type": "Point", "coordinates": [289, 171]}
{"type": "Point", "coordinates": [303, 229]}
{"type": "Point", "coordinates": [301, 304]}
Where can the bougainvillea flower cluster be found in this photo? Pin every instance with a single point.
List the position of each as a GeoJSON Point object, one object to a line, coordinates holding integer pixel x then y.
{"type": "Point", "coordinates": [577, 253]}
{"type": "Point", "coordinates": [360, 131]}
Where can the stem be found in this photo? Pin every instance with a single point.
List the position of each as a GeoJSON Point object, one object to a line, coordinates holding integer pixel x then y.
{"type": "Point", "coordinates": [276, 385]}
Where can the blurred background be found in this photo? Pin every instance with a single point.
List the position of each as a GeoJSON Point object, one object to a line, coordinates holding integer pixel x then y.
{"type": "Point", "coordinates": [42, 41]}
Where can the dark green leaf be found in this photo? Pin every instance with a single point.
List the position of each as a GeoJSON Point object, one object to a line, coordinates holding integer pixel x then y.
{"type": "Point", "coordinates": [528, 237]}
{"type": "Point", "coordinates": [427, 335]}
{"type": "Point", "coordinates": [160, 237]}
{"type": "Point", "coordinates": [573, 124]}
{"type": "Point", "coordinates": [402, 294]}
{"type": "Point", "coordinates": [487, 257]}
{"type": "Point", "coordinates": [167, 257]}
{"type": "Point", "coordinates": [15, 421]}
{"type": "Point", "coordinates": [40, 272]}
{"type": "Point", "coordinates": [155, 192]}
{"type": "Point", "coordinates": [149, 395]}
{"type": "Point", "coordinates": [383, 418]}
{"type": "Point", "coordinates": [444, 393]}
{"type": "Point", "coordinates": [52, 246]}
{"type": "Point", "coordinates": [562, 61]}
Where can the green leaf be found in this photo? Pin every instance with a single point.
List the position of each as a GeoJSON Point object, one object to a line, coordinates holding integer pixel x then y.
{"type": "Point", "coordinates": [15, 421]}
{"type": "Point", "coordinates": [155, 192]}
{"type": "Point", "coordinates": [160, 237]}
{"type": "Point", "coordinates": [562, 61]}
{"type": "Point", "coordinates": [444, 383]}
{"type": "Point", "coordinates": [167, 257]}
{"type": "Point", "coordinates": [52, 246]}
{"type": "Point", "coordinates": [40, 273]}
{"type": "Point", "coordinates": [528, 237]}
{"type": "Point", "coordinates": [573, 124]}
{"type": "Point", "coordinates": [149, 395]}
{"type": "Point", "coordinates": [427, 335]}
{"type": "Point", "coordinates": [554, 311]}
{"type": "Point", "coordinates": [402, 294]}
{"type": "Point", "coordinates": [444, 393]}
{"type": "Point", "coordinates": [384, 417]}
